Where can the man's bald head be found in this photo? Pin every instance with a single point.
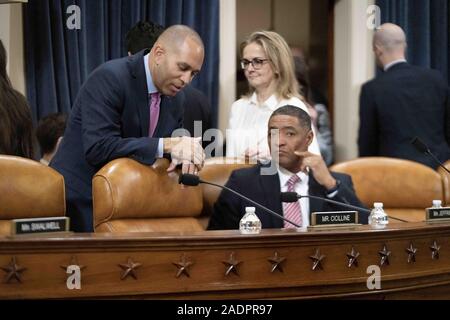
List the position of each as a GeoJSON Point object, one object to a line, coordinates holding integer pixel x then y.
{"type": "Point", "coordinates": [174, 37]}
{"type": "Point", "coordinates": [175, 59]}
{"type": "Point", "coordinates": [389, 44]}
{"type": "Point", "coordinates": [391, 37]}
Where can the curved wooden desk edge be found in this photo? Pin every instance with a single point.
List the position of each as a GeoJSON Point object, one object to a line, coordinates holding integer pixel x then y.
{"type": "Point", "coordinates": [413, 261]}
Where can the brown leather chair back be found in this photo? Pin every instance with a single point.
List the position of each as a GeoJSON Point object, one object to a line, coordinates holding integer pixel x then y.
{"type": "Point", "coordinates": [446, 181]}
{"type": "Point", "coordinates": [405, 187]}
{"type": "Point", "coordinates": [29, 189]}
{"type": "Point", "coordinates": [131, 197]}
{"type": "Point", "coordinates": [218, 171]}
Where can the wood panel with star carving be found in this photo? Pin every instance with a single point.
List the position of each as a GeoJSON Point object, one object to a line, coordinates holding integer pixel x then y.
{"type": "Point", "coordinates": [413, 261]}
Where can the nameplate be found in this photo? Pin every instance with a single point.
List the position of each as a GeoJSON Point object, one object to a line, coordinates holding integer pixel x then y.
{"type": "Point", "coordinates": [438, 214]}
{"type": "Point", "coordinates": [39, 225]}
{"type": "Point", "coordinates": [334, 219]}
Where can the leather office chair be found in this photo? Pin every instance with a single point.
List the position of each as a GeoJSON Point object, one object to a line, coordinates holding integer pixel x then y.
{"type": "Point", "coordinates": [131, 197]}
{"type": "Point", "coordinates": [216, 170]}
{"type": "Point", "coordinates": [405, 187]}
{"type": "Point", "coordinates": [446, 181]}
{"type": "Point", "coordinates": [28, 189]}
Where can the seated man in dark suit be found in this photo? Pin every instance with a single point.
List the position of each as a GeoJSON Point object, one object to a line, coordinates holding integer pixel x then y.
{"type": "Point", "coordinates": [297, 170]}
{"type": "Point", "coordinates": [130, 107]}
{"type": "Point", "coordinates": [196, 105]}
{"type": "Point", "coordinates": [401, 103]}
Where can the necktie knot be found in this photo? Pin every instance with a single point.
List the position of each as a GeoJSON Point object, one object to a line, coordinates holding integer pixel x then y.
{"type": "Point", "coordinates": [155, 99]}
{"type": "Point", "coordinates": [293, 181]}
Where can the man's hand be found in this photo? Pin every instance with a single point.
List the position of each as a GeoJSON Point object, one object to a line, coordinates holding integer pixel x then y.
{"type": "Point", "coordinates": [319, 169]}
{"type": "Point", "coordinates": [186, 151]}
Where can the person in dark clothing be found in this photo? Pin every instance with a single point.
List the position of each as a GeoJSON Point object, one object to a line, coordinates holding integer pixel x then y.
{"type": "Point", "coordinates": [402, 103]}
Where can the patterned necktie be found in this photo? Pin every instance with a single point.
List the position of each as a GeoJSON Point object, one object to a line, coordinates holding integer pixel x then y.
{"type": "Point", "coordinates": [292, 210]}
{"type": "Point", "coordinates": [155, 99]}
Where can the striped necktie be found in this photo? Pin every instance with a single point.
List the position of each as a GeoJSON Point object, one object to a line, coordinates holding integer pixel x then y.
{"type": "Point", "coordinates": [292, 210]}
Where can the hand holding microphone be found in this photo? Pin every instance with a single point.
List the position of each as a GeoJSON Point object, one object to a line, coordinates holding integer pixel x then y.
{"type": "Point", "coordinates": [186, 151]}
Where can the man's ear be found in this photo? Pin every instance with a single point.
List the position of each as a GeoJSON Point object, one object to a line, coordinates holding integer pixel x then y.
{"type": "Point", "coordinates": [310, 137]}
{"type": "Point", "coordinates": [158, 52]}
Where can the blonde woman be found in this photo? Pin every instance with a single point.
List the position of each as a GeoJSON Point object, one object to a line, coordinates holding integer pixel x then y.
{"type": "Point", "coordinates": [269, 68]}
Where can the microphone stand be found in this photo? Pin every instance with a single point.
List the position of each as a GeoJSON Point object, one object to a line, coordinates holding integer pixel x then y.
{"type": "Point", "coordinates": [251, 201]}
{"type": "Point", "coordinates": [346, 205]}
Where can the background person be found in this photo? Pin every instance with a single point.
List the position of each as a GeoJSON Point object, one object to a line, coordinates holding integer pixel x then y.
{"type": "Point", "coordinates": [269, 68]}
{"type": "Point", "coordinates": [129, 107]}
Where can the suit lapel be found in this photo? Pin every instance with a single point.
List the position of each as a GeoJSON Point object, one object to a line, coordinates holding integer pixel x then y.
{"type": "Point", "coordinates": [163, 113]}
{"type": "Point", "coordinates": [271, 189]}
{"type": "Point", "coordinates": [140, 83]}
{"type": "Point", "coordinates": [315, 189]}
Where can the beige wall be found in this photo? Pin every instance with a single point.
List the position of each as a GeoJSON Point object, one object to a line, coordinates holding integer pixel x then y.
{"type": "Point", "coordinates": [290, 18]}
{"type": "Point", "coordinates": [227, 67]}
{"type": "Point", "coordinates": [353, 65]}
{"type": "Point", "coordinates": [11, 33]}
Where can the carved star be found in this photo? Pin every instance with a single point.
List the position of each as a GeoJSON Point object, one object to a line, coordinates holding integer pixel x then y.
{"type": "Point", "coordinates": [183, 266]}
{"type": "Point", "coordinates": [435, 251]}
{"type": "Point", "coordinates": [129, 269]}
{"type": "Point", "coordinates": [231, 264]}
{"type": "Point", "coordinates": [411, 253]}
{"type": "Point", "coordinates": [73, 262]}
{"type": "Point", "coordinates": [13, 270]}
{"type": "Point", "coordinates": [353, 258]}
{"type": "Point", "coordinates": [276, 262]}
{"type": "Point", "coordinates": [317, 260]}
{"type": "Point", "coordinates": [385, 253]}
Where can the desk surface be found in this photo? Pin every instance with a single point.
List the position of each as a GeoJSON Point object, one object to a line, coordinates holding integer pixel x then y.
{"type": "Point", "coordinates": [413, 260]}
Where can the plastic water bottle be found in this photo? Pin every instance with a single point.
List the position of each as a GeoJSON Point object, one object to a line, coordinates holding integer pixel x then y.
{"type": "Point", "coordinates": [437, 204]}
{"type": "Point", "coordinates": [250, 223]}
{"type": "Point", "coordinates": [378, 219]}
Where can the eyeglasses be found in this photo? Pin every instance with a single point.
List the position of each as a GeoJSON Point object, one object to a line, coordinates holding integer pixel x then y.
{"type": "Point", "coordinates": [256, 63]}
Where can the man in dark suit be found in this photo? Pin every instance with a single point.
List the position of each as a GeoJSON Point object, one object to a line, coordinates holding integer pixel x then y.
{"type": "Point", "coordinates": [129, 107]}
{"type": "Point", "coordinates": [196, 105]}
{"type": "Point", "coordinates": [297, 170]}
{"type": "Point", "coordinates": [402, 103]}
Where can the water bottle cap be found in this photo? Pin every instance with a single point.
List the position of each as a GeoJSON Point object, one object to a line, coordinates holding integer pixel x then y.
{"type": "Point", "coordinates": [378, 205]}
{"type": "Point", "coordinates": [250, 209]}
{"type": "Point", "coordinates": [437, 203]}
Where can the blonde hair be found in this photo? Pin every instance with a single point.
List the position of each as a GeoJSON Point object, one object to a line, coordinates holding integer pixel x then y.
{"type": "Point", "coordinates": [281, 60]}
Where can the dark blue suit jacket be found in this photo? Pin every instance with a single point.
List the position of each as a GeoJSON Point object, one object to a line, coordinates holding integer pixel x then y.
{"type": "Point", "coordinates": [110, 120]}
{"type": "Point", "coordinates": [404, 102]}
{"type": "Point", "coordinates": [265, 189]}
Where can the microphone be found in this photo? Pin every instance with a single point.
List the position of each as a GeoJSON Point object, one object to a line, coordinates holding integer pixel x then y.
{"type": "Point", "coordinates": [193, 180]}
{"type": "Point", "coordinates": [293, 196]}
{"type": "Point", "coordinates": [423, 148]}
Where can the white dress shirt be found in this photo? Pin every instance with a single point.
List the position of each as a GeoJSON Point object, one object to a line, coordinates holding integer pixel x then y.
{"type": "Point", "coordinates": [393, 63]}
{"type": "Point", "coordinates": [301, 188]}
{"type": "Point", "coordinates": [247, 128]}
{"type": "Point", "coordinates": [152, 89]}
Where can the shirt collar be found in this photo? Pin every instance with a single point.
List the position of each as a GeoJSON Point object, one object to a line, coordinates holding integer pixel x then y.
{"type": "Point", "coordinates": [285, 175]}
{"type": "Point", "coordinates": [393, 63]}
{"type": "Point", "coordinates": [270, 103]}
{"type": "Point", "coordinates": [150, 85]}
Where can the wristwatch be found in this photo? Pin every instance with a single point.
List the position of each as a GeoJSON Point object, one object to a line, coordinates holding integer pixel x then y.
{"type": "Point", "coordinates": [335, 188]}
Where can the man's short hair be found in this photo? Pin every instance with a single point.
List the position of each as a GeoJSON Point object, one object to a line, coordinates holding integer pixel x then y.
{"type": "Point", "coordinates": [288, 110]}
{"type": "Point", "coordinates": [142, 35]}
{"type": "Point", "coordinates": [48, 131]}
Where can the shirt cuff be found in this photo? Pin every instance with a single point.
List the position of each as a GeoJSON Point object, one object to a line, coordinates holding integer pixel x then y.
{"type": "Point", "coordinates": [333, 194]}
{"type": "Point", "coordinates": [160, 151]}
